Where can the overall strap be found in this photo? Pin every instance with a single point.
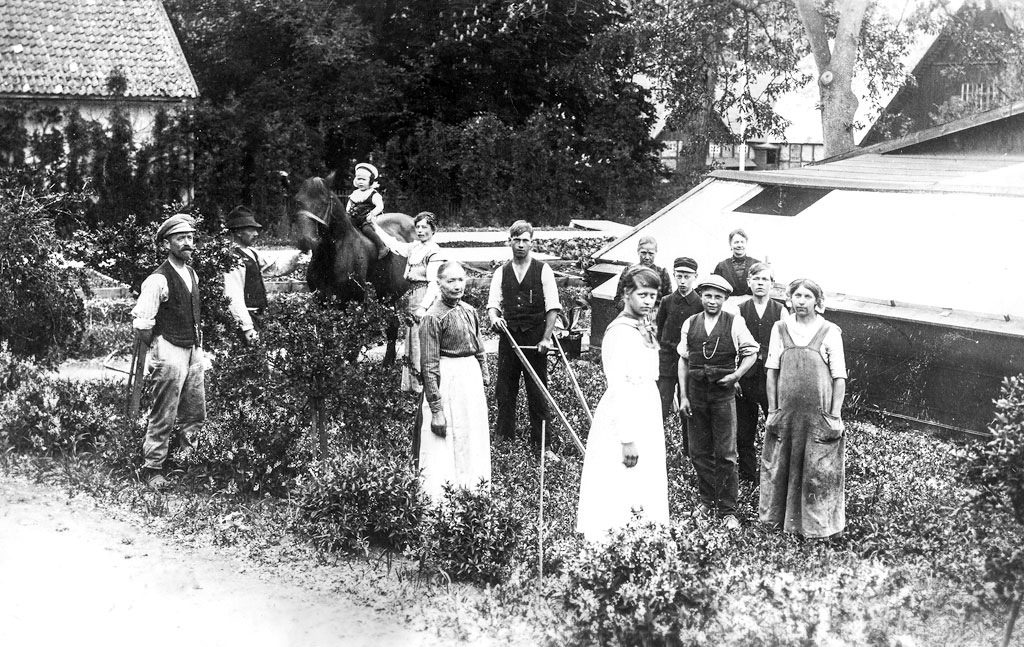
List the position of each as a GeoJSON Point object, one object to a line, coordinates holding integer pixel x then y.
{"type": "Point", "coordinates": [819, 337]}
{"type": "Point", "coordinates": [787, 340]}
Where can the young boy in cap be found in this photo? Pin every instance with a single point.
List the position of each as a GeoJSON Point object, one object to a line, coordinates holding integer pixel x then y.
{"type": "Point", "coordinates": [243, 284]}
{"type": "Point", "coordinates": [166, 318]}
{"type": "Point", "coordinates": [365, 204]}
{"type": "Point", "coordinates": [675, 309]}
{"type": "Point", "coordinates": [715, 351]}
{"type": "Point", "coordinates": [760, 313]}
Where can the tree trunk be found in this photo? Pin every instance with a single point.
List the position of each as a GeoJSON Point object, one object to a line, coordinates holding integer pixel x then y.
{"type": "Point", "coordinates": [835, 69]}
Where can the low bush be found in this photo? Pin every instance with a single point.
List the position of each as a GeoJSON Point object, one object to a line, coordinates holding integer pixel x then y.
{"type": "Point", "coordinates": [648, 585]}
{"type": "Point", "coordinates": [47, 415]}
{"type": "Point", "coordinates": [471, 535]}
{"type": "Point", "coordinates": [904, 498]}
{"type": "Point", "coordinates": [360, 499]}
{"type": "Point", "coordinates": [995, 469]}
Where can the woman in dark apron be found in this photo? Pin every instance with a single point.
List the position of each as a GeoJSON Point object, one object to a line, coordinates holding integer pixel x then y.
{"type": "Point", "coordinates": [802, 465]}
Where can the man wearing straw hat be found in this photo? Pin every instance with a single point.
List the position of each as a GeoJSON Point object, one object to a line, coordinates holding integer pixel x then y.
{"type": "Point", "coordinates": [522, 303]}
{"type": "Point", "coordinates": [166, 319]}
{"type": "Point", "coordinates": [243, 284]}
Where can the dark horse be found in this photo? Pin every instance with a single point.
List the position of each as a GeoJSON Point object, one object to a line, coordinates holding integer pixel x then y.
{"type": "Point", "coordinates": [344, 260]}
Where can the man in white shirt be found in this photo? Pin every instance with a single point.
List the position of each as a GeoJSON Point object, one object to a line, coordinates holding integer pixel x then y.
{"type": "Point", "coordinates": [243, 284]}
{"type": "Point", "coordinates": [523, 301]}
{"type": "Point", "coordinates": [166, 318]}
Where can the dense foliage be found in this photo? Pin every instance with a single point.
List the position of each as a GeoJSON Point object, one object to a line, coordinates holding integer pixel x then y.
{"type": "Point", "coordinates": [996, 469]}
{"type": "Point", "coordinates": [471, 535]}
{"type": "Point", "coordinates": [356, 500]}
{"type": "Point", "coordinates": [42, 314]}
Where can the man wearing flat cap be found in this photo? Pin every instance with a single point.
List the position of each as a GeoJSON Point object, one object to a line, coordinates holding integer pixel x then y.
{"type": "Point", "coordinates": [166, 319]}
{"type": "Point", "coordinates": [243, 284]}
{"type": "Point", "coordinates": [715, 351]}
{"type": "Point", "coordinates": [675, 309]}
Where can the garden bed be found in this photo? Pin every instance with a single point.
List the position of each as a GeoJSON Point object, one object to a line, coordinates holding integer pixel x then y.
{"type": "Point", "coordinates": [909, 570]}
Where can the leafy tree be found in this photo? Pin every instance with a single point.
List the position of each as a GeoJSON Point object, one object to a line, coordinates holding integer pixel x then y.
{"type": "Point", "coordinates": [737, 57]}
{"type": "Point", "coordinates": [41, 310]}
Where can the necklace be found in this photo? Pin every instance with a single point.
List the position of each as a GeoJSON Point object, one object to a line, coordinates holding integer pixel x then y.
{"type": "Point", "coordinates": [704, 348]}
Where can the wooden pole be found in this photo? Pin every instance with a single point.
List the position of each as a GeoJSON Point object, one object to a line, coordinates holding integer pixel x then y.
{"type": "Point", "coordinates": [544, 390]}
{"type": "Point", "coordinates": [575, 384]}
{"type": "Point", "coordinates": [137, 370]}
{"type": "Point", "coordinates": [1010, 622]}
{"type": "Point", "coordinates": [540, 514]}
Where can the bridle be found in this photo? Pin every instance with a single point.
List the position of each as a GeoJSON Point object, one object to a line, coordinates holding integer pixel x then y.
{"type": "Point", "coordinates": [326, 217]}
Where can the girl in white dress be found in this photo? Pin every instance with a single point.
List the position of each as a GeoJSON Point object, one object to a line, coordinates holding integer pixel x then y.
{"type": "Point", "coordinates": [624, 467]}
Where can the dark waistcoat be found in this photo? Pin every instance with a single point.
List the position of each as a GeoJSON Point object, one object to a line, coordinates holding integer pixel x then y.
{"type": "Point", "coordinates": [178, 317]}
{"type": "Point", "coordinates": [254, 290]}
{"type": "Point", "coordinates": [522, 304]}
{"type": "Point", "coordinates": [761, 330]}
{"type": "Point", "coordinates": [711, 356]}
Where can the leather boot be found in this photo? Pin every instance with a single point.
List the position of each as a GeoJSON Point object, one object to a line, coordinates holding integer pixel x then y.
{"type": "Point", "coordinates": [371, 233]}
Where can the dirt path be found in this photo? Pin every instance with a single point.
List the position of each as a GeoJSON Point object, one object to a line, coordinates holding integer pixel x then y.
{"type": "Point", "coordinates": [71, 575]}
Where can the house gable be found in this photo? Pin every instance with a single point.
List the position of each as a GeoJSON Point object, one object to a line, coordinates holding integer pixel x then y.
{"type": "Point", "coordinates": [932, 85]}
{"type": "Point", "coordinates": [70, 49]}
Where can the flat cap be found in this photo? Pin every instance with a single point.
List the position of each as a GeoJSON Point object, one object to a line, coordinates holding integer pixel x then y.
{"type": "Point", "coordinates": [241, 217]}
{"type": "Point", "coordinates": [179, 223]}
{"type": "Point", "coordinates": [684, 263]}
{"type": "Point", "coordinates": [715, 281]}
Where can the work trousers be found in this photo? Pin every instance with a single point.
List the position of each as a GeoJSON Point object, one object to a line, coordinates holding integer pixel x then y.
{"type": "Point", "coordinates": [506, 385]}
{"type": "Point", "coordinates": [712, 434]}
{"type": "Point", "coordinates": [179, 399]}
{"type": "Point", "coordinates": [754, 396]}
{"type": "Point", "coordinates": [667, 385]}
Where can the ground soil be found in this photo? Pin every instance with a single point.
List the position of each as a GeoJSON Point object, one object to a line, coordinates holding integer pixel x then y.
{"type": "Point", "coordinates": [71, 574]}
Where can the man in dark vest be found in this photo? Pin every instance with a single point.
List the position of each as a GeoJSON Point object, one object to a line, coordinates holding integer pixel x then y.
{"type": "Point", "coordinates": [166, 318]}
{"type": "Point", "coordinates": [760, 313]}
{"type": "Point", "coordinates": [523, 300]}
{"type": "Point", "coordinates": [675, 309]}
{"type": "Point", "coordinates": [715, 351]}
{"type": "Point", "coordinates": [243, 284]}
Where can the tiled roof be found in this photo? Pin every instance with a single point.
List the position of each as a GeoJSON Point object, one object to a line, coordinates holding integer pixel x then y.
{"type": "Point", "coordinates": [70, 47]}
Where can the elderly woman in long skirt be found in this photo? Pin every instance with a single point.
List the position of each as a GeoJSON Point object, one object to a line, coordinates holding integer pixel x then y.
{"type": "Point", "coordinates": [454, 440]}
{"type": "Point", "coordinates": [624, 467]}
{"type": "Point", "coordinates": [803, 485]}
{"type": "Point", "coordinates": [423, 257]}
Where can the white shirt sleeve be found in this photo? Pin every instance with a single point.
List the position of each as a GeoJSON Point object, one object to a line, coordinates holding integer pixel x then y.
{"type": "Point", "coordinates": [682, 349]}
{"type": "Point", "coordinates": [742, 340]}
{"type": "Point", "coordinates": [152, 294]}
{"type": "Point", "coordinates": [494, 295]}
{"type": "Point", "coordinates": [234, 290]}
{"type": "Point", "coordinates": [550, 287]}
{"type": "Point", "coordinates": [399, 247]}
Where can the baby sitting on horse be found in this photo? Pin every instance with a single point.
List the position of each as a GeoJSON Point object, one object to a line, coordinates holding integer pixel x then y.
{"type": "Point", "coordinates": [365, 204]}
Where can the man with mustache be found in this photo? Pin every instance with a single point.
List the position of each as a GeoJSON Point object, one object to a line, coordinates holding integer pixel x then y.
{"type": "Point", "coordinates": [166, 318]}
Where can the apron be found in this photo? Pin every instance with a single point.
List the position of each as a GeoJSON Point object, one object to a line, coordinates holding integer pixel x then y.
{"type": "Point", "coordinates": [802, 476]}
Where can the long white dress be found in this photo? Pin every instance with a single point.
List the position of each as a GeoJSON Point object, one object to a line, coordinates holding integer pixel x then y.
{"type": "Point", "coordinates": [630, 410]}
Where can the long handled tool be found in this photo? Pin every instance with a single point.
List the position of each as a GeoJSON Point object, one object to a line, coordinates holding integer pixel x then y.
{"type": "Point", "coordinates": [544, 390]}
{"type": "Point", "coordinates": [135, 373]}
{"type": "Point", "coordinates": [575, 383]}
{"type": "Point", "coordinates": [540, 515]}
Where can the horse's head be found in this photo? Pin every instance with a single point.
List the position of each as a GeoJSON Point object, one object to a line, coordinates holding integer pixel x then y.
{"type": "Point", "coordinates": [318, 207]}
